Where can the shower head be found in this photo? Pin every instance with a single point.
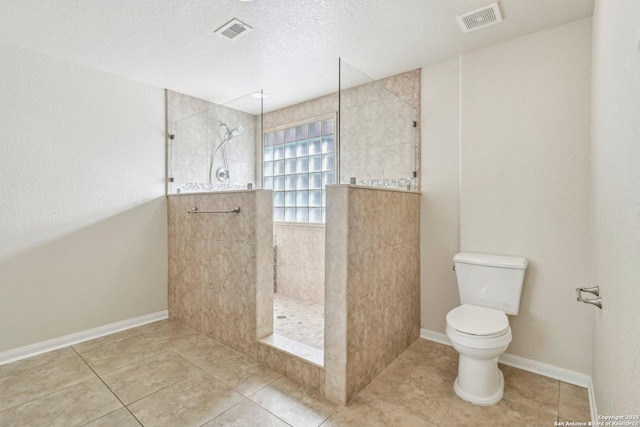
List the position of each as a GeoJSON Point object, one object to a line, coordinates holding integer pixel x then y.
{"type": "Point", "coordinates": [231, 133]}
{"type": "Point", "coordinates": [237, 131]}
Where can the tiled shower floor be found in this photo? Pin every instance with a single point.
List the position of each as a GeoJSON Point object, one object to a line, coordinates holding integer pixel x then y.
{"type": "Point", "coordinates": [304, 322]}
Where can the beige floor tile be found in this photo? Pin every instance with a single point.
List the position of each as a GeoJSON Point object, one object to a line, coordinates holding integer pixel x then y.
{"type": "Point", "coordinates": [367, 411]}
{"type": "Point", "coordinates": [120, 418]}
{"type": "Point", "coordinates": [191, 402]}
{"type": "Point", "coordinates": [246, 414]}
{"type": "Point", "coordinates": [75, 405]}
{"type": "Point", "coordinates": [31, 384]}
{"type": "Point", "coordinates": [574, 403]}
{"type": "Point", "coordinates": [86, 346]}
{"type": "Point", "coordinates": [35, 361]}
{"type": "Point", "coordinates": [135, 381]}
{"type": "Point", "coordinates": [294, 404]}
{"type": "Point", "coordinates": [109, 358]}
{"type": "Point", "coordinates": [418, 389]}
{"type": "Point", "coordinates": [170, 332]}
{"type": "Point", "coordinates": [530, 389]}
{"type": "Point", "coordinates": [229, 366]}
{"type": "Point", "coordinates": [505, 413]}
{"type": "Point", "coordinates": [442, 359]}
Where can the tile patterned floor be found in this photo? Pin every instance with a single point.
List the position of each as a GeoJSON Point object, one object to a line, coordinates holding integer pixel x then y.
{"type": "Point", "coordinates": [164, 374]}
{"type": "Point", "coordinates": [304, 322]}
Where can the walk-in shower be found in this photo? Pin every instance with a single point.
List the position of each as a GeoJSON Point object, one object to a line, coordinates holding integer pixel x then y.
{"type": "Point", "coordinates": [223, 173]}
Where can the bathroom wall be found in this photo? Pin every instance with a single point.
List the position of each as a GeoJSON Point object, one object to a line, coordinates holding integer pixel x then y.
{"type": "Point", "coordinates": [83, 235]}
{"type": "Point", "coordinates": [300, 260]}
{"type": "Point", "coordinates": [221, 266]}
{"type": "Point", "coordinates": [374, 144]}
{"type": "Point", "coordinates": [300, 264]}
{"type": "Point", "coordinates": [522, 128]}
{"type": "Point", "coordinates": [196, 126]}
{"type": "Point", "coordinates": [372, 311]}
{"type": "Point", "coordinates": [616, 205]}
{"type": "Point", "coordinates": [377, 137]}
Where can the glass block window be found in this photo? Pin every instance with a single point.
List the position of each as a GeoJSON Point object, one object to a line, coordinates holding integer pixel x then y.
{"type": "Point", "coordinates": [298, 163]}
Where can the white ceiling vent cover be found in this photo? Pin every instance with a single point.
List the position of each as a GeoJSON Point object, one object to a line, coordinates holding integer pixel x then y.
{"type": "Point", "coordinates": [233, 29]}
{"type": "Point", "coordinates": [480, 18]}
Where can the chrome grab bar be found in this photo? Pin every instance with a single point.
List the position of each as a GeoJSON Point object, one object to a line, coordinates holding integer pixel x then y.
{"type": "Point", "coordinates": [595, 291]}
{"type": "Point", "coordinates": [234, 210]}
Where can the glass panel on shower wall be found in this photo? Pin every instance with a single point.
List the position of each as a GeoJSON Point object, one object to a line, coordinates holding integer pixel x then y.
{"type": "Point", "coordinates": [377, 133]}
{"type": "Point", "coordinates": [214, 147]}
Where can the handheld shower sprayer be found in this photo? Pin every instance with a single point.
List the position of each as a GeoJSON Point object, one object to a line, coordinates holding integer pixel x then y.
{"type": "Point", "coordinates": [229, 135]}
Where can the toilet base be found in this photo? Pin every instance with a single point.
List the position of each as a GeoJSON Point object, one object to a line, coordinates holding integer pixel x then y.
{"type": "Point", "coordinates": [481, 401]}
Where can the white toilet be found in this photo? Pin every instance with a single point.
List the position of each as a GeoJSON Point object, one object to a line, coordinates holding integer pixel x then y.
{"type": "Point", "coordinates": [490, 288]}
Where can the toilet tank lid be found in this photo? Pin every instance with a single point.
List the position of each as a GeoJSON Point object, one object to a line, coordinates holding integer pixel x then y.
{"type": "Point", "coordinates": [499, 261]}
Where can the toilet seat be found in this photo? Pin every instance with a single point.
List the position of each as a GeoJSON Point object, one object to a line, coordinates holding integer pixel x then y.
{"type": "Point", "coordinates": [478, 322]}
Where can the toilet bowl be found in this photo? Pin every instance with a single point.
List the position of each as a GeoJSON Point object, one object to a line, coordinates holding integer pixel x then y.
{"type": "Point", "coordinates": [480, 335]}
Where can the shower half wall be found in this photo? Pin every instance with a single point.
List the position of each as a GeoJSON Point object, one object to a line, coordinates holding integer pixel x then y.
{"type": "Point", "coordinates": [220, 266]}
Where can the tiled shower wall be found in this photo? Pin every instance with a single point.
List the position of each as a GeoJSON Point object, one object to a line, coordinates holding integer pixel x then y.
{"type": "Point", "coordinates": [377, 137]}
{"type": "Point", "coordinates": [221, 266]}
{"type": "Point", "coordinates": [195, 124]}
{"type": "Point", "coordinates": [300, 260]}
{"type": "Point", "coordinates": [372, 284]}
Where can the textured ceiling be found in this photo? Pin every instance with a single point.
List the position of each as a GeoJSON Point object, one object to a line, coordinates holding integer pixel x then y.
{"type": "Point", "coordinates": [292, 52]}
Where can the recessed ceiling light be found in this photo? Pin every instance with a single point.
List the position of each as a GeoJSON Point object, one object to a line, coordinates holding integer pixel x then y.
{"type": "Point", "coordinates": [259, 95]}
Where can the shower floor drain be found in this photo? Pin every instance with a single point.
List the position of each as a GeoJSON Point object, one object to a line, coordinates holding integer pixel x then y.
{"type": "Point", "coordinates": [281, 317]}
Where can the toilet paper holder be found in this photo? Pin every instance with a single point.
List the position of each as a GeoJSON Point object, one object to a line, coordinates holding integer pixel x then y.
{"type": "Point", "coordinates": [594, 301]}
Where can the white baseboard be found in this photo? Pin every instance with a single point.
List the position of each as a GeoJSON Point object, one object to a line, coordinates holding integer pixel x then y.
{"type": "Point", "coordinates": [78, 337]}
{"type": "Point", "coordinates": [550, 371]}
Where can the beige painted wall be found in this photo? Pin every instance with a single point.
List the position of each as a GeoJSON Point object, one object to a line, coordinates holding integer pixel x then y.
{"type": "Point", "coordinates": [523, 126]}
{"type": "Point", "coordinates": [616, 204]}
{"type": "Point", "coordinates": [83, 236]}
{"type": "Point", "coordinates": [440, 215]}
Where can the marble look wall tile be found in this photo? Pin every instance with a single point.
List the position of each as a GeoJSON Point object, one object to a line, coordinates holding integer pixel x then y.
{"type": "Point", "coordinates": [383, 283]}
{"type": "Point", "coordinates": [218, 263]}
{"type": "Point", "coordinates": [174, 106]}
{"type": "Point", "coordinates": [264, 262]}
{"type": "Point", "coordinates": [272, 358]}
{"type": "Point", "coordinates": [336, 279]}
{"type": "Point", "coordinates": [305, 374]}
{"type": "Point", "coordinates": [300, 282]}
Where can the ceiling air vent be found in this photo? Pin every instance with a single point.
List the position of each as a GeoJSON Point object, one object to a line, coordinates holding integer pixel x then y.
{"type": "Point", "coordinates": [233, 29]}
{"type": "Point", "coordinates": [480, 18]}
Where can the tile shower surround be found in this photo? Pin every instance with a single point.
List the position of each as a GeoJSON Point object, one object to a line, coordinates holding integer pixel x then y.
{"type": "Point", "coordinates": [372, 146]}
{"type": "Point", "coordinates": [196, 126]}
{"type": "Point", "coordinates": [372, 284]}
{"type": "Point", "coordinates": [220, 266]}
{"type": "Point", "coordinates": [300, 260]}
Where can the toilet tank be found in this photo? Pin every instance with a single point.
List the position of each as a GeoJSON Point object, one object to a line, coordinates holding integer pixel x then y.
{"type": "Point", "coordinates": [492, 281]}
